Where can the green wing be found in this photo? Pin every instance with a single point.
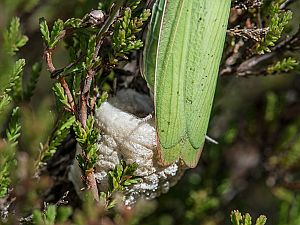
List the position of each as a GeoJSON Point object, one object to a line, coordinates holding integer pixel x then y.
{"type": "Point", "coordinates": [181, 61]}
{"type": "Point", "coordinates": [151, 43]}
{"type": "Point", "coordinates": [190, 49]}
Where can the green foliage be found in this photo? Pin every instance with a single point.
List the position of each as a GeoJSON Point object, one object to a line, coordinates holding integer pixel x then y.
{"type": "Point", "coordinates": [90, 52]}
{"type": "Point", "coordinates": [13, 37]}
{"type": "Point", "coordinates": [124, 37]}
{"type": "Point", "coordinates": [7, 154]}
{"type": "Point", "coordinates": [277, 22]}
{"type": "Point", "coordinates": [10, 89]}
{"type": "Point", "coordinates": [238, 219]}
{"type": "Point", "coordinates": [35, 74]}
{"type": "Point", "coordinates": [283, 66]}
{"type": "Point", "coordinates": [5, 100]}
{"type": "Point", "coordinates": [14, 127]}
{"type": "Point", "coordinates": [91, 61]}
{"type": "Point", "coordinates": [61, 96]}
{"type": "Point", "coordinates": [102, 99]}
{"type": "Point", "coordinates": [56, 33]}
{"type": "Point", "coordinates": [52, 215]}
{"type": "Point", "coordinates": [133, 4]}
{"type": "Point", "coordinates": [59, 135]}
{"type": "Point", "coordinates": [51, 39]}
{"type": "Point", "coordinates": [289, 207]}
{"type": "Point", "coordinates": [45, 31]}
{"type": "Point", "coordinates": [87, 138]}
{"type": "Point", "coordinates": [16, 80]}
{"type": "Point", "coordinates": [122, 176]}
{"type": "Point", "coordinates": [7, 164]}
{"type": "Point", "coordinates": [73, 22]}
{"type": "Point", "coordinates": [14, 77]}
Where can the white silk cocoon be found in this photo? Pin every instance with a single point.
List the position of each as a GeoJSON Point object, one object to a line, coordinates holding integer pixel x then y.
{"type": "Point", "coordinates": [127, 137]}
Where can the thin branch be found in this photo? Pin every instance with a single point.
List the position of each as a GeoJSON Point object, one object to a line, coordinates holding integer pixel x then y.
{"type": "Point", "coordinates": [253, 65]}
{"type": "Point", "coordinates": [65, 86]}
{"type": "Point", "coordinates": [61, 79]}
{"type": "Point", "coordinates": [92, 183]}
{"type": "Point", "coordinates": [106, 25]}
{"type": "Point", "coordinates": [85, 90]}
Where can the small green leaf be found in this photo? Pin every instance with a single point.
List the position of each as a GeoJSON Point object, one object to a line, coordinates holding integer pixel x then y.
{"type": "Point", "coordinates": [63, 213]}
{"type": "Point", "coordinates": [78, 68]}
{"type": "Point", "coordinates": [14, 79]}
{"type": "Point", "coordinates": [130, 169]}
{"type": "Point", "coordinates": [89, 123]}
{"type": "Point", "coordinates": [119, 171]}
{"type": "Point", "coordinates": [80, 133]}
{"type": "Point", "coordinates": [73, 22]}
{"type": "Point", "coordinates": [13, 37]}
{"type": "Point", "coordinates": [90, 52]}
{"type": "Point", "coordinates": [261, 220]}
{"type": "Point", "coordinates": [124, 37]}
{"type": "Point", "coordinates": [283, 66]}
{"type": "Point", "coordinates": [5, 100]}
{"type": "Point", "coordinates": [247, 219]}
{"type": "Point", "coordinates": [122, 176]}
{"type": "Point", "coordinates": [56, 33]}
{"type": "Point", "coordinates": [60, 94]}
{"type": "Point", "coordinates": [37, 218]}
{"type": "Point", "coordinates": [45, 31]}
{"type": "Point", "coordinates": [35, 74]}
{"type": "Point", "coordinates": [81, 162]}
{"type": "Point", "coordinates": [236, 217]}
{"type": "Point", "coordinates": [133, 4]}
{"type": "Point", "coordinates": [102, 99]}
{"type": "Point", "coordinates": [14, 128]}
{"type": "Point", "coordinates": [7, 165]}
{"type": "Point", "coordinates": [50, 215]}
{"type": "Point", "coordinates": [279, 19]}
{"type": "Point", "coordinates": [59, 136]}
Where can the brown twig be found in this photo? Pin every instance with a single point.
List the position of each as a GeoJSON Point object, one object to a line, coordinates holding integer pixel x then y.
{"type": "Point", "coordinates": [61, 79]}
{"type": "Point", "coordinates": [106, 25]}
{"type": "Point", "coordinates": [94, 99]}
{"type": "Point", "coordinates": [254, 65]}
{"type": "Point", "coordinates": [85, 91]}
{"type": "Point", "coordinates": [92, 184]}
{"type": "Point", "coordinates": [84, 96]}
{"type": "Point", "coordinates": [89, 175]}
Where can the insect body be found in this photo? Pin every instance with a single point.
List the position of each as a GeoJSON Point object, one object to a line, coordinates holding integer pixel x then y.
{"type": "Point", "coordinates": [181, 62]}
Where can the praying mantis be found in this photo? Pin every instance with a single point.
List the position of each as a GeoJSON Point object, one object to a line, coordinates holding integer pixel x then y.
{"type": "Point", "coordinates": [181, 60]}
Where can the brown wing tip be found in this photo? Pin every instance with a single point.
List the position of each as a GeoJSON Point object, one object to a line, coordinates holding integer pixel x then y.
{"type": "Point", "coordinates": [165, 157]}
{"type": "Point", "coordinates": [192, 163]}
{"type": "Point", "coordinates": [168, 156]}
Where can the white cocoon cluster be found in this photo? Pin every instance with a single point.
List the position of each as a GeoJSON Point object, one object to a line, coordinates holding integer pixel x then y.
{"type": "Point", "coordinates": [127, 137]}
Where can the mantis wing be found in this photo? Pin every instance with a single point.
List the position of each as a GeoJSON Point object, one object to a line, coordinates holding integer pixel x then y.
{"type": "Point", "coordinates": [150, 51]}
{"type": "Point", "coordinates": [189, 47]}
